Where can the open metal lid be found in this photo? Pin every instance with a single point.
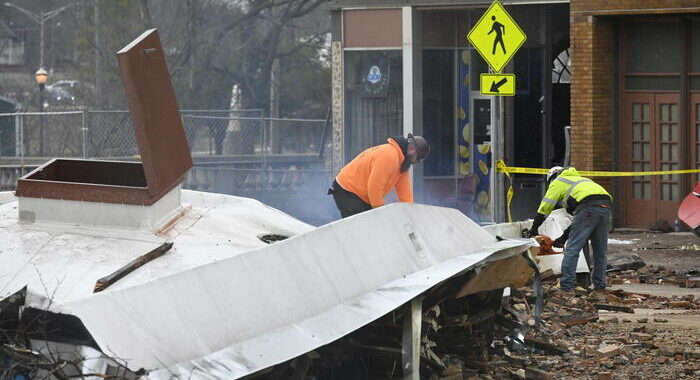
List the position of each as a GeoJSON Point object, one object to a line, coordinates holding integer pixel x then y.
{"type": "Point", "coordinates": [157, 124]}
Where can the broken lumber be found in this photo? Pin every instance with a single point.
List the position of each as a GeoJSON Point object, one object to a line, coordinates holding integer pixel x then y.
{"type": "Point", "coordinates": [381, 350]}
{"type": "Point", "coordinates": [546, 346]}
{"type": "Point", "coordinates": [106, 281]}
{"type": "Point", "coordinates": [537, 374]}
{"type": "Point", "coordinates": [607, 306]}
{"type": "Point", "coordinates": [608, 351]}
{"type": "Point", "coordinates": [573, 320]}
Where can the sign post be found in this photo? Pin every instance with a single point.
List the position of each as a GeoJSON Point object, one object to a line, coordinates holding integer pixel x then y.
{"type": "Point", "coordinates": [497, 37]}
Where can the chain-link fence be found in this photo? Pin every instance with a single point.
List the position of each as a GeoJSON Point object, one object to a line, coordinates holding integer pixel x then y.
{"type": "Point", "coordinates": [42, 134]}
{"type": "Point", "coordinates": [110, 134]}
{"type": "Point", "coordinates": [278, 161]}
{"type": "Point", "coordinates": [216, 135]}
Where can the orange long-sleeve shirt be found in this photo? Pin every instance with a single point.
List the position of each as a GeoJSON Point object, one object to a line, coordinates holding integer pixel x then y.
{"type": "Point", "coordinates": [373, 173]}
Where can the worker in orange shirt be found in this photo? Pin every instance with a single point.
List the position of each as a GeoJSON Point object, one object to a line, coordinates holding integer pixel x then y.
{"type": "Point", "coordinates": [363, 183]}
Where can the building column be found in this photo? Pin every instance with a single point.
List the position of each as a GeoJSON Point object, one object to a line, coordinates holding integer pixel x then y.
{"type": "Point", "coordinates": [337, 95]}
{"type": "Point", "coordinates": [592, 76]}
{"type": "Point", "coordinates": [413, 86]}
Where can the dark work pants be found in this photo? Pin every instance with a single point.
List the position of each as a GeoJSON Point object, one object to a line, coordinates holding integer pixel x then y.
{"type": "Point", "coordinates": [591, 221]}
{"type": "Point", "coordinates": [348, 203]}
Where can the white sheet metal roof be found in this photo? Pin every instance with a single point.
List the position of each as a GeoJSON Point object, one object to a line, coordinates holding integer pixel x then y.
{"type": "Point", "coordinates": [63, 261]}
{"type": "Point", "coordinates": [553, 227]}
{"type": "Point", "coordinates": [223, 304]}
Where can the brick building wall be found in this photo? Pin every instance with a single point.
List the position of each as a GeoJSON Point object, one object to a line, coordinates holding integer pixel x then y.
{"type": "Point", "coordinates": [593, 48]}
{"type": "Point", "coordinates": [591, 92]}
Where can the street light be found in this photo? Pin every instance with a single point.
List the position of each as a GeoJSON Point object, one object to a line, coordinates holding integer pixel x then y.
{"type": "Point", "coordinates": [41, 77]}
{"type": "Point", "coordinates": [41, 18]}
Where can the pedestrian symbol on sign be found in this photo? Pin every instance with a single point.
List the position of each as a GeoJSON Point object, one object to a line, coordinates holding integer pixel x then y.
{"type": "Point", "coordinates": [500, 30]}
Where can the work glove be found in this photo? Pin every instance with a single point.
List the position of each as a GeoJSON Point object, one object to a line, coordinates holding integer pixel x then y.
{"type": "Point", "coordinates": [531, 233]}
{"type": "Point", "coordinates": [536, 223]}
{"type": "Point", "coordinates": [559, 242]}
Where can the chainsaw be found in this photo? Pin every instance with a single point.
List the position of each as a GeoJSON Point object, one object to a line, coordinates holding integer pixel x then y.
{"type": "Point", "coordinates": [546, 245]}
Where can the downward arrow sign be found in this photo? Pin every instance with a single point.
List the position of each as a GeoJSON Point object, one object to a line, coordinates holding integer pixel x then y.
{"type": "Point", "coordinates": [499, 84]}
{"type": "Point", "coordinates": [496, 85]}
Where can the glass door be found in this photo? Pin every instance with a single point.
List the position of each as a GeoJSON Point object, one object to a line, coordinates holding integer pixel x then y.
{"type": "Point", "coordinates": [651, 141]}
{"type": "Point", "coordinates": [638, 199]}
{"type": "Point", "coordinates": [695, 136]}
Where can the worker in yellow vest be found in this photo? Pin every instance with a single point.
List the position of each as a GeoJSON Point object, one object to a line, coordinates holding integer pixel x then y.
{"type": "Point", "coordinates": [590, 204]}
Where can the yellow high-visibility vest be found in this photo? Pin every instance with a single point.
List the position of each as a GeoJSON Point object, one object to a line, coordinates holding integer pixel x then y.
{"type": "Point", "coordinates": [569, 184]}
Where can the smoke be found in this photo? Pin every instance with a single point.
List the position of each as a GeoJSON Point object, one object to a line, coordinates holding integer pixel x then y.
{"type": "Point", "coordinates": [301, 193]}
{"type": "Point", "coordinates": [309, 201]}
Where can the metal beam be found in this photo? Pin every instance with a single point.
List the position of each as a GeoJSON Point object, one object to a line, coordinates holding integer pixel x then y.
{"type": "Point", "coordinates": [410, 342]}
{"type": "Point", "coordinates": [338, 4]}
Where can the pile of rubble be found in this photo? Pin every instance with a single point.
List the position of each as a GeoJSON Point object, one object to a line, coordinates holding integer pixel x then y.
{"type": "Point", "coordinates": [456, 336]}
{"type": "Point", "coordinates": [589, 335]}
{"type": "Point", "coordinates": [573, 342]}
{"type": "Point", "coordinates": [657, 275]}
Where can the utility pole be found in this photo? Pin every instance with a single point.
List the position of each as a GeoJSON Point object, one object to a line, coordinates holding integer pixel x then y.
{"type": "Point", "coordinates": [41, 75]}
{"type": "Point", "coordinates": [275, 106]}
{"type": "Point", "coordinates": [41, 18]}
{"type": "Point", "coordinates": [98, 89]}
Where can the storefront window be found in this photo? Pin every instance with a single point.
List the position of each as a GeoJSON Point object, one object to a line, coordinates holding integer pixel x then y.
{"type": "Point", "coordinates": [653, 47]}
{"type": "Point", "coordinates": [560, 68]}
{"type": "Point", "coordinates": [438, 111]}
{"type": "Point", "coordinates": [695, 55]}
{"type": "Point", "coordinates": [529, 68]}
{"type": "Point", "coordinates": [373, 99]}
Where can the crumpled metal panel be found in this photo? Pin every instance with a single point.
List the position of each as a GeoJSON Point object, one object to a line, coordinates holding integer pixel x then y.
{"type": "Point", "coordinates": [553, 227]}
{"type": "Point", "coordinates": [238, 315]}
{"type": "Point", "coordinates": [60, 263]}
{"type": "Point", "coordinates": [222, 304]}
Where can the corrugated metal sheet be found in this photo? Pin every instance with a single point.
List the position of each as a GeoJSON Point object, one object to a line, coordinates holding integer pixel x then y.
{"type": "Point", "coordinates": [223, 304]}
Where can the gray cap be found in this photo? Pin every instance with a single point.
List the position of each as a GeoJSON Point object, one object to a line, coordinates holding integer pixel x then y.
{"type": "Point", "coordinates": [422, 146]}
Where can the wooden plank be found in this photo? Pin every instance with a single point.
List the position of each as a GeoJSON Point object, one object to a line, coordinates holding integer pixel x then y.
{"type": "Point", "coordinates": [537, 374]}
{"type": "Point", "coordinates": [371, 349]}
{"type": "Point", "coordinates": [106, 281]}
{"type": "Point", "coordinates": [607, 306]}
{"type": "Point", "coordinates": [546, 346]}
{"type": "Point", "coordinates": [410, 341]}
{"type": "Point", "coordinates": [513, 271]}
{"type": "Point", "coordinates": [578, 319]}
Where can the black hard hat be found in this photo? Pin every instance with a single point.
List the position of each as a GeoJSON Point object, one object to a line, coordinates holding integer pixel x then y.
{"type": "Point", "coordinates": [422, 146]}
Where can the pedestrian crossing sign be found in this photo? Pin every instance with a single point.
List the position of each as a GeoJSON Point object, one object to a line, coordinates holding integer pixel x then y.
{"type": "Point", "coordinates": [496, 36]}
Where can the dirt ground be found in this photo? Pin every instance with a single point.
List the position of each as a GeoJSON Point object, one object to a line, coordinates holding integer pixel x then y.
{"type": "Point", "coordinates": [679, 251]}
{"type": "Point", "coordinates": [676, 251]}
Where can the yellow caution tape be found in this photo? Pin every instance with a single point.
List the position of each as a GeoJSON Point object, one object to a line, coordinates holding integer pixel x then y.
{"type": "Point", "coordinates": [501, 167]}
